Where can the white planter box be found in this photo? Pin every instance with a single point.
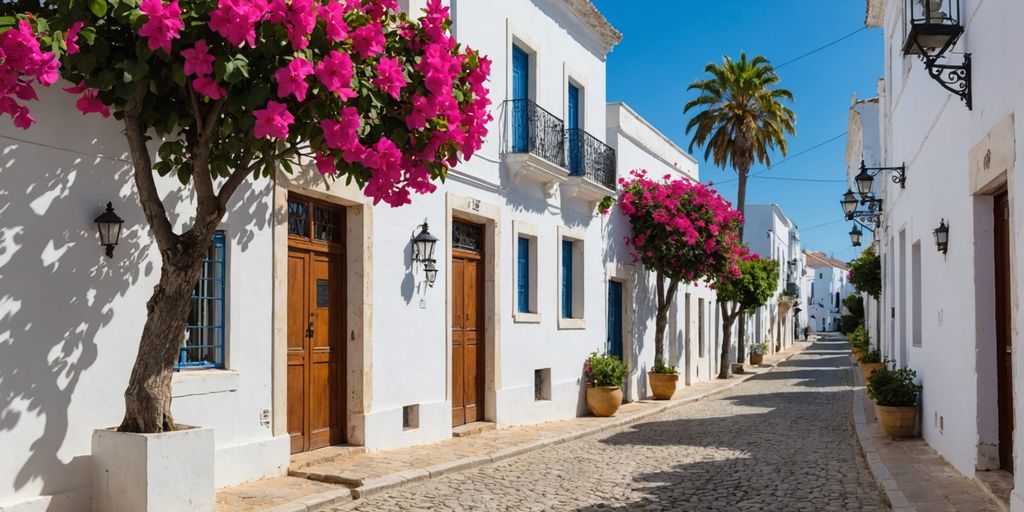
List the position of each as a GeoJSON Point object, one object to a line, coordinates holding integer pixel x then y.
{"type": "Point", "coordinates": [166, 472]}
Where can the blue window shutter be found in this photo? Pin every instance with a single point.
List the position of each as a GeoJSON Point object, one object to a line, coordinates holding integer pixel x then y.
{"type": "Point", "coordinates": [575, 137]}
{"type": "Point", "coordinates": [567, 278]}
{"type": "Point", "coordinates": [523, 276]}
{"type": "Point", "coordinates": [520, 97]}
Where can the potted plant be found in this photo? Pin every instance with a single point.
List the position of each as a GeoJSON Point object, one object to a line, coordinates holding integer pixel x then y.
{"type": "Point", "coordinates": [757, 352]}
{"type": "Point", "coordinates": [860, 342]}
{"type": "Point", "coordinates": [895, 394]}
{"type": "Point", "coordinates": [869, 363]}
{"type": "Point", "coordinates": [663, 380]}
{"type": "Point", "coordinates": [604, 374]}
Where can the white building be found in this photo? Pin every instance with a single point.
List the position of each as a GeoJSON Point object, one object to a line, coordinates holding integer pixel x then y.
{"type": "Point", "coordinates": [771, 234]}
{"type": "Point", "coordinates": [530, 279]}
{"type": "Point", "coordinates": [830, 286]}
{"type": "Point", "coordinates": [950, 312]}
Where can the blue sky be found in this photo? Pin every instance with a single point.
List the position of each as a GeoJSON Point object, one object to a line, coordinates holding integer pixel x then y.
{"type": "Point", "coordinates": [655, 62]}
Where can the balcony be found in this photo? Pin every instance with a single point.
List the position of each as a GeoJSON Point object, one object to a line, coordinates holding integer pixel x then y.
{"type": "Point", "coordinates": [792, 289]}
{"type": "Point", "coordinates": [591, 166]}
{"type": "Point", "coordinates": [533, 144]}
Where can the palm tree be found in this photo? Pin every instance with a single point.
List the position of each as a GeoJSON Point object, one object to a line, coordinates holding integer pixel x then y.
{"type": "Point", "coordinates": [740, 119]}
{"type": "Point", "coordinates": [740, 116]}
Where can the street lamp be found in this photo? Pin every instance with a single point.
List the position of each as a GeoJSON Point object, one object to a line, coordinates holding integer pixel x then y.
{"type": "Point", "coordinates": [849, 203]}
{"type": "Point", "coordinates": [423, 246]}
{"type": "Point", "coordinates": [864, 182]}
{"type": "Point", "coordinates": [109, 226]}
{"type": "Point", "coordinates": [942, 236]}
{"type": "Point", "coordinates": [855, 235]}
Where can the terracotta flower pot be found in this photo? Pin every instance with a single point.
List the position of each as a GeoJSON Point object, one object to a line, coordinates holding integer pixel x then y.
{"type": "Point", "coordinates": [897, 422]}
{"type": "Point", "coordinates": [858, 353]}
{"type": "Point", "coordinates": [603, 401]}
{"type": "Point", "coordinates": [867, 368]}
{"type": "Point", "coordinates": [663, 385]}
{"type": "Point", "coordinates": [756, 359]}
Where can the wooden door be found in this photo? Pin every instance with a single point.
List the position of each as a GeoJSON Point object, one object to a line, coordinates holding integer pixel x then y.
{"type": "Point", "coordinates": [1004, 337]}
{"type": "Point", "coordinates": [467, 333]}
{"type": "Point", "coordinates": [316, 328]}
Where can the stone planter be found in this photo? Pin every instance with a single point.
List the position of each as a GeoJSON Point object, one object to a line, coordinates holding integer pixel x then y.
{"type": "Point", "coordinates": [858, 353]}
{"type": "Point", "coordinates": [663, 385]}
{"type": "Point", "coordinates": [756, 359]}
{"type": "Point", "coordinates": [867, 368]}
{"type": "Point", "coordinates": [167, 472]}
{"type": "Point", "coordinates": [603, 401]}
{"type": "Point", "coordinates": [897, 422]}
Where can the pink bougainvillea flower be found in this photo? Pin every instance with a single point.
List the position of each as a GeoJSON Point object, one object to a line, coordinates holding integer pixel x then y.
{"type": "Point", "coordinates": [71, 39]}
{"type": "Point", "coordinates": [342, 134]}
{"type": "Point", "coordinates": [291, 79]}
{"type": "Point", "coordinates": [88, 102]}
{"type": "Point", "coordinates": [163, 24]}
{"type": "Point", "coordinates": [208, 87]}
{"type": "Point", "coordinates": [272, 122]}
{"type": "Point", "coordinates": [335, 72]}
{"type": "Point", "coordinates": [198, 61]}
{"type": "Point", "coordinates": [390, 77]}
{"type": "Point", "coordinates": [385, 159]}
{"type": "Point", "coordinates": [300, 20]}
{"type": "Point", "coordinates": [235, 20]}
{"type": "Point", "coordinates": [368, 40]}
{"type": "Point", "coordinates": [325, 164]}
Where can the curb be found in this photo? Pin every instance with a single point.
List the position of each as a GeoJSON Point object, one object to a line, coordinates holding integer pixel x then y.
{"type": "Point", "coordinates": [373, 486]}
{"type": "Point", "coordinates": [891, 492]}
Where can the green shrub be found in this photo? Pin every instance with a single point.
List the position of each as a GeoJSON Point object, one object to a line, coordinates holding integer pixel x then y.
{"type": "Point", "coordinates": [872, 357]}
{"type": "Point", "coordinates": [849, 323]}
{"type": "Point", "coordinates": [859, 338]}
{"type": "Point", "coordinates": [604, 370]}
{"type": "Point", "coordinates": [759, 348]}
{"type": "Point", "coordinates": [663, 368]}
{"type": "Point", "coordinates": [894, 388]}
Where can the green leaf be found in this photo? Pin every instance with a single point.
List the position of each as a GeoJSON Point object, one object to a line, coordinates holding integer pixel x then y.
{"type": "Point", "coordinates": [98, 7]}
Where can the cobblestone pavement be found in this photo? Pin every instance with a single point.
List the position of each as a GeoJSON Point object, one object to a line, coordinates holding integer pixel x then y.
{"type": "Point", "coordinates": [781, 441]}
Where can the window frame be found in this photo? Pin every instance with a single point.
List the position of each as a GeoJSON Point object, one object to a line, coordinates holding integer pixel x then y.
{"type": "Point", "coordinates": [219, 242]}
{"type": "Point", "coordinates": [530, 232]}
{"type": "Point", "coordinates": [577, 238]}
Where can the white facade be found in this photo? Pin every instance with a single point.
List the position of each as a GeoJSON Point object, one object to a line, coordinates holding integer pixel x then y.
{"type": "Point", "coordinates": [70, 318]}
{"type": "Point", "coordinates": [938, 311]}
{"type": "Point", "coordinates": [830, 286]}
{"type": "Point", "coordinates": [771, 234]}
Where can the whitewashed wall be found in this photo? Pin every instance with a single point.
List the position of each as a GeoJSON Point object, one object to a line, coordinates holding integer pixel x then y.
{"type": "Point", "coordinates": [70, 318]}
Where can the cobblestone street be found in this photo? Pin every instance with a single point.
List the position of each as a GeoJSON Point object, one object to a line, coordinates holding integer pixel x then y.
{"type": "Point", "coordinates": [781, 441]}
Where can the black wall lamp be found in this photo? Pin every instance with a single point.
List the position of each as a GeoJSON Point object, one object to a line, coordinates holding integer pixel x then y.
{"type": "Point", "coordinates": [423, 246]}
{"type": "Point", "coordinates": [942, 236]}
{"type": "Point", "coordinates": [856, 235]}
{"type": "Point", "coordinates": [934, 28]}
{"type": "Point", "coordinates": [109, 226]}
{"type": "Point", "coordinates": [865, 179]}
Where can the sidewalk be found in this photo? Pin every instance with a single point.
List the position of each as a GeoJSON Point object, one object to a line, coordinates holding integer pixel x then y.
{"type": "Point", "coordinates": [913, 476]}
{"type": "Point", "coordinates": [354, 475]}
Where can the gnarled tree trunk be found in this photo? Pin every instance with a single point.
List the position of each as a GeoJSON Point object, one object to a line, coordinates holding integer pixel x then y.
{"type": "Point", "coordinates": [661, 317]}
{"type": "Point", "coordinates": [728, 318]}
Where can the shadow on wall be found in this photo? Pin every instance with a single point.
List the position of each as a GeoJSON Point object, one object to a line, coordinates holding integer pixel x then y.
{"type": "Point", "coordinates": [58, 291]}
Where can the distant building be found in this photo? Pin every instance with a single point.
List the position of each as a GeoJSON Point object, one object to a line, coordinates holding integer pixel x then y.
{"type": "Point", "coordinates": [830, 285]}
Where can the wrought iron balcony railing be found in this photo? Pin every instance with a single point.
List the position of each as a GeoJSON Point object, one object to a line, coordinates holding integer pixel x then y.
{"type": "Point", "coordinates": [590, 158]}
{"type": "Point", "coordinates": [528, 128]}
{"type": "Point", "coordinates": [792, 289]}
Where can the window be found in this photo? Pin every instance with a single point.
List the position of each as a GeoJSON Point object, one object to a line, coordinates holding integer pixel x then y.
{"type": "Point", "coordinates": [523, 275]}
{"type": "Point", "coordinates": [915, 287]}
{"type": "Point", "coordinates": [570, 279]}
{"type": "Point", "coordinates": [204, 334]}
{"type": "Point", "coordinates": [700, 327]}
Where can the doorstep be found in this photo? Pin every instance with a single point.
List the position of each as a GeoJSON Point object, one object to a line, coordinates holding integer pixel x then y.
{"type": "Point", "coordinates": [364, 474]}
{"type": "Point", "coordinates": [911, 474]}
{"type": "Point", "coordinates": [472, 429]}
{"type": "Point", "coordinates": [326, 454]}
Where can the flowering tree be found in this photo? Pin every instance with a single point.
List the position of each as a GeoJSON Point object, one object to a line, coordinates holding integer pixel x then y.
{"type": "Point", "coordinates": [682, 231]}
{"type": "Point", "coordinates": [866, 273]}
{"type": "Point", "coordinates": [234, 89]}
{"type": "Point", "coordinates": [750, 290]}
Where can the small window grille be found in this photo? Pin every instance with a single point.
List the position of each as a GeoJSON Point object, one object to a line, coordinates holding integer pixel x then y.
{"type": "Point", "coordinates": [298, 218]}
{"type": "Point", "coordinates": [204, 334]}
{"type": "Point", "coordinates": [467, 237]}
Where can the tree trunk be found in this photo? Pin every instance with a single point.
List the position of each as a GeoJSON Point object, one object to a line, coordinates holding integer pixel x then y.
{"type": "Point", "coordinates": [724, 367]}
{"type": "Point", "coordinates": [741, 337]}
{"type": "Point", "coordinates": [741, 197]}
{"type": "Point", "coordinates": [148, 397]}
{"type": "Point", "coordinates": [661, 318]}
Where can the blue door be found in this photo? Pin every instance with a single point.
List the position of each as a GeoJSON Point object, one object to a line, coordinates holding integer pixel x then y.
{"type": "Point", "coordinates": [520, 95]}
{"type": "Point", "coordinates": [615, 318]}
{"type": "Point", "coordinates": [574, 132]}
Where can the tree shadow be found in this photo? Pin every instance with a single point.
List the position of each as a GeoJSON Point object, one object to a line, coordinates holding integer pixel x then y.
{"type": "Point", "coordinates": [63, 304]}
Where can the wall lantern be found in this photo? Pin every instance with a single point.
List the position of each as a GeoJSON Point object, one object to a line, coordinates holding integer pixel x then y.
{"type": "Point", "coordinates": [423, 246]}
{"type": "Point", "coordinates": [934, 28]}
{"type": "Point", "coordinates": [855, 235]}
{"type": "Point", "coordinates": [849, 203]}
{"type": "Point", "coordinates": [866, 178]}
{"type": "Point", "coordinates": [109, 225]}
{"type": "Point", "coordinates": [942, 236]}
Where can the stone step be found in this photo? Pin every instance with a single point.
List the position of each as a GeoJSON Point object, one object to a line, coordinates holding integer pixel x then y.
{"type": "Point", "coordinates": [472, 429]}
{"type": "Point", "coordinates": [323, 455]}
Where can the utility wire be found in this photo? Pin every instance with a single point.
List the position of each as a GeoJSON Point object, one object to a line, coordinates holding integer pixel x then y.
{"type": "Point", "coordinates": [822, 225]}
{"type": "Point", "coordinates": [788, 158]}
{"type": "Point", "coordinates": [820, 48]}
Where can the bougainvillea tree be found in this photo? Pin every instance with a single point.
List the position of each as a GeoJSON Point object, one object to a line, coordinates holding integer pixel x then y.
{"type": "Point", "coordinates": [231, 90]}
{"type": "Point", "coordinates": [683, 232]}
{"type": "Point", "coordinates": [750, 290]}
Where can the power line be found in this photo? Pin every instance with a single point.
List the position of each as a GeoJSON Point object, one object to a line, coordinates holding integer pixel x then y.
{"type": "Point", "coordinates": [797, 179]}
{"type": "Point", "coordinates": [820, 48]}
{"type": "Point", "coordinates": [790, 157]}
{"type": "Point", "coordinates": [822, 225]}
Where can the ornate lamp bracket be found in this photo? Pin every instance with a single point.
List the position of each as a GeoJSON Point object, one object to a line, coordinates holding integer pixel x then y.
{"type": "Point", "coordinates": [899, 173]}
{"type": "Point", "coordinates": [955, 78]}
